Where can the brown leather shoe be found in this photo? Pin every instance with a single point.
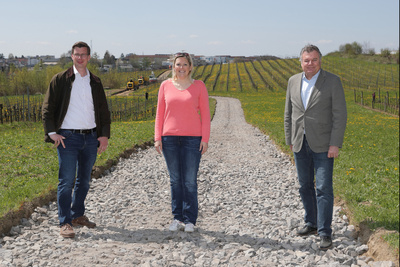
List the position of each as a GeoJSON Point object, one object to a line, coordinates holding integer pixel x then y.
{"type": "Point", "coordinates": [83, 221]}
{"type": "Point", "coordinates": [67, 231]}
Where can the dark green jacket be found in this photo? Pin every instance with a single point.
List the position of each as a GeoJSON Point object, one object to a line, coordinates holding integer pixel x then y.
{"type": "Point", "coordinates": [56, 101]}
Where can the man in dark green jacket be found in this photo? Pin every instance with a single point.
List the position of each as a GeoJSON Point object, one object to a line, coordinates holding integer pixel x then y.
{"type": "Point", "coordinates": [77, 120]}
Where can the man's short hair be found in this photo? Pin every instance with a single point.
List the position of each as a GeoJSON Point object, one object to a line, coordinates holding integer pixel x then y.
{"type": "Point", "coordinates": [309, 48]}
{"type": "Point", "coordinates": [81, 44]}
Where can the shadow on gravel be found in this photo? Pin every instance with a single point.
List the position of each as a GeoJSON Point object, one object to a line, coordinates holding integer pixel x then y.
{"type": "Point", "coordinates": [214, 239]}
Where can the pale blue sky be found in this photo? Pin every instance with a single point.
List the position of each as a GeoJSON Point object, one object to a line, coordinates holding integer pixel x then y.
{"type": "Point", "coordinates": [203, 27]}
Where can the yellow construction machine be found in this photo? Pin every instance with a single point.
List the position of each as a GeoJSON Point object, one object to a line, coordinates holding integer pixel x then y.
{"type": "Point", "coordinates": [132, 84]}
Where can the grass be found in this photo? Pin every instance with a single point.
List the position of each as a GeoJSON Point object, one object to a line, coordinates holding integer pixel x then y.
{"type": "Point", "coordinates": [392, 240]}
{"type": "Point", "coordinates": [367, 173]}
{"type": "Point", "coordinates": [27, 167]}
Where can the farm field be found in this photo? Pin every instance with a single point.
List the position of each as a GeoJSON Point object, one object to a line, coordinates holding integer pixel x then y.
{"type": "Point", "coordinates": [366, 174]}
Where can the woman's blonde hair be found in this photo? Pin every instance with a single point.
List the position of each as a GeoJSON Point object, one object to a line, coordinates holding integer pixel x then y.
{"type": "Point", "coordinates": [189, 59]}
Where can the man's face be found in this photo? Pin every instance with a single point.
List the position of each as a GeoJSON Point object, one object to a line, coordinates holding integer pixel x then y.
{"type": "Point", "coordinates": [310, 63]}
{"type": "Point", "coordinates": [80, 57]}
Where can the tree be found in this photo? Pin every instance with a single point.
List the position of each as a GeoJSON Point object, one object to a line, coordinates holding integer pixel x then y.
{"type": "Point", "coordinates": [134, 62]}
{"type": "Point", "coordinates": [108, 58]}
{"type": "Point", "coordinates": [367, 49]}
{"type": "Point", "coordinates": [65, 59]}
{"type": "Point", "coordinates": [94, 59]}
{"type": "Point", "coordinates": [386, 53]}
{"type": "Point", "coordinates": [370, 52]}
{"type": "Point", "coordinates": [351, 49]}
{"type": "Point", "coordinates": [12, 68]}
{"type": "Point", "coordinates": [146, 63]}
{"type": "Point", "coordinates": [10, 56]}
{"type": "Point", "coordinates": [357, 48]}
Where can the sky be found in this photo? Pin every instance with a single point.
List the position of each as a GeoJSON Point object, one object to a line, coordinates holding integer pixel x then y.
{"type": "Point", "coordinates": [203, 27]}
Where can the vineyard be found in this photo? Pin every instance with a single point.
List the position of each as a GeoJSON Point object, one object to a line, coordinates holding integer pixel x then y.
{"type": "Point", "coordinates": [363, 79]}
{"type": "Point", "coordinates": [137, 105]}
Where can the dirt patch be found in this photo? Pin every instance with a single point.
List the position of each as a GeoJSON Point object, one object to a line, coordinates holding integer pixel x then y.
{"type": "Point", "coordinates": [379, 249]}
{"type": "Point", "coordinates": [13, 218]}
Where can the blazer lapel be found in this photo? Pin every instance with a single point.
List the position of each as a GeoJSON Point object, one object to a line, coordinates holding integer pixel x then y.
{"type": "Point", "coordinates": [297, 96]}
{"type": "Point", "coordinates": [317, 88]}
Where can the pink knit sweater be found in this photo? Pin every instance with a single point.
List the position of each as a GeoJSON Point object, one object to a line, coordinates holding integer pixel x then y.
{"type": "Point", "coordinates": [183, 113]}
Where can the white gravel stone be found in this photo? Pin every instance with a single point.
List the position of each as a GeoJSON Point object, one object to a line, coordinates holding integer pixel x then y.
{"type": "Point", "coordinates": [249, 211]}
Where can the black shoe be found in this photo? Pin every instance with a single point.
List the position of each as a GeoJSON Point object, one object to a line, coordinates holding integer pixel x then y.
{"type": "Point", "coordinates": [307, 230]}
{"type": "Point", "coordinates": [326, 243]}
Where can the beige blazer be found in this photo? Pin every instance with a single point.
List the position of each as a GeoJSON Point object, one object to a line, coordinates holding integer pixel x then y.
{"type": "Point", "coordinates": [323, 120]}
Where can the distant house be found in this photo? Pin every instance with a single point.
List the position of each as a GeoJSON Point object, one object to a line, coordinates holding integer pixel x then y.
{"type": "Point", "coordinates": [217, 59]}
{"type": "Point", "coordinates": [125, 67]}
{"type": "Point", "coordinates": [45, 60]}
{"type": "Point", "coordinates": [154, 60]}
{"type": "Point", "coordinates": [48, 60]}
{"type": "Point", "coordinates": [32, 61]}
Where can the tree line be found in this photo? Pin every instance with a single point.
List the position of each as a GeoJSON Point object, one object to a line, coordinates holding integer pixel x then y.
{"type": "Point", "coordinates": [356, 49]}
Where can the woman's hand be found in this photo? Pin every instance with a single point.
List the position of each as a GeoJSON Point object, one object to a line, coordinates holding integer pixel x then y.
{"type": "Point", "coordinates": [158, 146]}
{"type": "Point", "coordinates": [203, 147]}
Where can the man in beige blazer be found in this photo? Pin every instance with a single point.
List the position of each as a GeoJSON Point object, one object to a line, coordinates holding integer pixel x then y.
{"type": "Point", "coordinates": [315, 122]}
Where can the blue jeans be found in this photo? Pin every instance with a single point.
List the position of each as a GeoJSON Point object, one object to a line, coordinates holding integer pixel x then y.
{"type": "Point", "coordinates": [182, 156]}
{"type": "Point", "coordinates": [317, 198]}
{"type": "Point", "coordinates": [76, 160]}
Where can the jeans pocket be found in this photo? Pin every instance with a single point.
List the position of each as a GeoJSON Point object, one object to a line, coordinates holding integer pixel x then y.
{"type": "Point", "coordinates": [94, 134]}
{"type": "Point", "coordinates": [65, 133]}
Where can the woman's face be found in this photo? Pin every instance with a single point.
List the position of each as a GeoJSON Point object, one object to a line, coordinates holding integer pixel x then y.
{"type": "Point", "coordinates": [182, 68]}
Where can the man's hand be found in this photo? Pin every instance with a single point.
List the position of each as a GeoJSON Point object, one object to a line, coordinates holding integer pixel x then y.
{"type": "Point", "coordinates": [58, 139]}
{"type": "Point", "coordinates": [103, 144]}
{"type": "Point", "coordinates": [333, 152]}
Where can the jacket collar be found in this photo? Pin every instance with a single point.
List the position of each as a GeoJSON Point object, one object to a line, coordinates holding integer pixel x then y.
{"type": "Point", "coordinates": [71, 74]}
{"type": "Point", "coordinates": [320, 80]}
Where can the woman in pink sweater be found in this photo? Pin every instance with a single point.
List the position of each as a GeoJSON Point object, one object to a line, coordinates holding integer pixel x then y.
{"type": "Point", "coordinates": [182, 131]}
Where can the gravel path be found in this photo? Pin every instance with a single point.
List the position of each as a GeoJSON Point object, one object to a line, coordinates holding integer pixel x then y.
{"type": "Point", "coordinates": [249, 210]}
